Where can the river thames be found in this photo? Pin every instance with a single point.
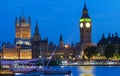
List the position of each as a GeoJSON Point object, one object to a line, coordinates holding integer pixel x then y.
{"type": "Point", "coordinates": [85, 71]}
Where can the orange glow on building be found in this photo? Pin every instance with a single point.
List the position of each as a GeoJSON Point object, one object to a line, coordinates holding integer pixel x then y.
{"type": "Point", "coordinates": [23, 28]}
{"type": "Point", "coordinates": [15, 52]}
{"type": "Point", "coordinates": [26, 54]}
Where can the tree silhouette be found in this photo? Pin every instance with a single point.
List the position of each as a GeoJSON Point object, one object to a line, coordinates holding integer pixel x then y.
{"type": "Point", "coordinates": [90, 51]}
{"type": "Point", "coordinates": [119, 50]}
{"type": "Point", "coordinates": [109, 51]}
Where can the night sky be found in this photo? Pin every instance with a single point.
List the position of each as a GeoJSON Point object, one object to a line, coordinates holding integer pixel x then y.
{"type": "Point", "coordinates": [57, 17]}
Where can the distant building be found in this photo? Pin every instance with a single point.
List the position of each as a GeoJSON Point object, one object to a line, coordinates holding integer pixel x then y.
{"type": "Point", "coordinates": [22, 47]}
{"type": "Point", "coordinates": [39, 46]}
{"type": "Point", "coordinates": [85, 26]}
{"type": "Point", "coordinates": [27, 47]}
{"type": "Point", "coordinates": [62, 51]}
{"type": "Point", "coordinates": [104, 41]}
{"type": "Point", "coordinates": [12, 51]}
{"type": "Point", "coordinates": [23, 31]}
{"type": "Point", "coordinates": [25, 54]}
{"type": "Point", "coordinates": [61, 43]}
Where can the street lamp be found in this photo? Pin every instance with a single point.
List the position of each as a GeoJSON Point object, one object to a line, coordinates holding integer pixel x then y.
{"type": "Point", "coordinates": [66, 46]}
{"type": "Point", "coordinates": [70, 57]}
{"type": "Point", "coordinates": [61, 57]}
{"type": "Point", "coordinates": [40, 56]}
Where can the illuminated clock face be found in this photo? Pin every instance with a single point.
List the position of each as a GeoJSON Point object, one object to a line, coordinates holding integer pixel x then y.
{"type": "Point", "coordinates": [81, 25]}
{"type": "Point", "coordinates": [87, 25]}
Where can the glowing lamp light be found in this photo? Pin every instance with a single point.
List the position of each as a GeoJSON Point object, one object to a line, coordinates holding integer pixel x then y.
{"type": "Point", "coordinates": [61, 56]}
{"type": "Point", "coordinates": [50, 57]}
{"type": "Point", "coordinates": [39, 56]}
{"type": "Point", "coordinates": [20, 42]}
{"type": "Point", "coordinates": [66, 46]}
{"type": "Point", "coordinates": [27, 43]}
{"type": "Point", "coordinates": [69, 57]}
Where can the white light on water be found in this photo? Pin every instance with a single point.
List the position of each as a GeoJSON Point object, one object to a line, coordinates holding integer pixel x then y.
{"type": "Point", "coordinates": [86, 75]}
{"type": "Point", "coordinates": [40, 66]}
{"type": "Point", "coordinates": [86, 69]}
{"type": "Point", "coordinates": [18, 74]}
{"type": "Point", "coordinates": [62, 66]}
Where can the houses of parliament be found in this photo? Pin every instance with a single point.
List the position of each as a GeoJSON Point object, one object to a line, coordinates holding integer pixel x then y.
{"type": "Point", "coordinates": [29, 47]}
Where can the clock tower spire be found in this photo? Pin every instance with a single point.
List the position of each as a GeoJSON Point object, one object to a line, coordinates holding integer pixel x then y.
{"type": "Point", "coordinates": [85, 28]}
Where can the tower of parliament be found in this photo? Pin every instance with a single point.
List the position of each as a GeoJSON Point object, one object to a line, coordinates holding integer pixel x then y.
{"type": "Point", "coordinates": [23, 31]}
{"type": "Point", "coordinates": [85, 29]}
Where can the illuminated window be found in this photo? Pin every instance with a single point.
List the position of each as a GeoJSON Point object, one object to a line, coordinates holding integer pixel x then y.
{"type": "Point", "coordinates": [20, 42]}
{"type": "Point", "coordinates": [27, 43]}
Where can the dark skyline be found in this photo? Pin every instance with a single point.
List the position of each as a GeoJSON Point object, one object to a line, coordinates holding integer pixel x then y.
{"type": "Point", "coordinates": [57, 17]}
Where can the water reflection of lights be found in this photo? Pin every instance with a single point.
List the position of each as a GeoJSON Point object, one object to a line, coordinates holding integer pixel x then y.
{"type": "Point", "coordinates": [18, 73]}
{"type": "Point", "coordinates": [62, 66]}
{"type": "Point", "coordinates": [86, 75]}
{"type": "Point", "coordinates": [86, 70]}
{"type": "Point", "coordinates": [68, 75]}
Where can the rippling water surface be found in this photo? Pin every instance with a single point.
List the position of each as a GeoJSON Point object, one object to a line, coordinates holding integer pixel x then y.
{"type": "Point", "coordinates": [85, 71]}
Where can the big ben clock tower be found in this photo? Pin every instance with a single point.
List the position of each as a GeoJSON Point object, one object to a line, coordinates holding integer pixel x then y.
{"type": "Point", "coordinates": [85, 29]}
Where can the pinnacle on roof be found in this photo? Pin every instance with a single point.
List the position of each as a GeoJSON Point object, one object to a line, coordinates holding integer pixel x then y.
{"type": "Point", "coordinates": [36, 29]}
{"type": "Point", "coordinates": [36, 34]}
{"type": "Point", "coordinates": [85, 12]}
{"type": "Point", "coordinates": [61, 38]}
